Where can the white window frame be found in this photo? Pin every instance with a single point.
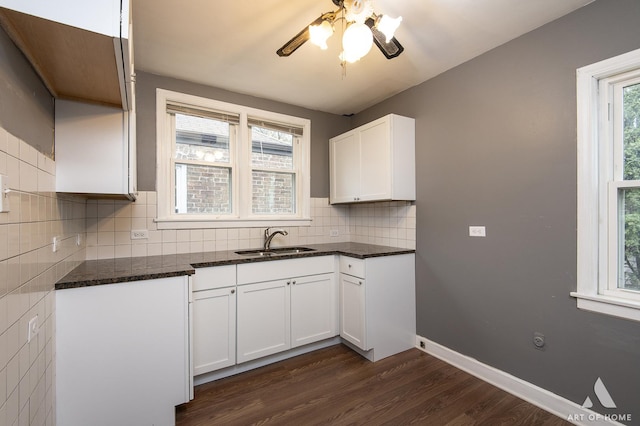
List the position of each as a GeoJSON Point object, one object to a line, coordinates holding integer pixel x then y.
{"type": "Point", "coordinates": [241, 165]}
{"type": "Point", "coordinates": [598, 183]}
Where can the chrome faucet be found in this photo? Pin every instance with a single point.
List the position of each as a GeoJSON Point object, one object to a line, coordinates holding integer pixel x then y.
{"type": "Point", "coordinates": [268, 236]}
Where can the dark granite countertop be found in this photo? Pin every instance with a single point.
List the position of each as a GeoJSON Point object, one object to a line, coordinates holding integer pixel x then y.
{"type": "Point", "coordinates": [110, 271]}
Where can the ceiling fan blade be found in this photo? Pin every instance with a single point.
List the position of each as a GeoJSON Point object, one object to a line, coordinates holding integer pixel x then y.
{"type": "Point", "coordinates": [300, 38]}
{"type": "Point", "coordinates": [391, 49]}
{"type": "Point", "coordinates": [297, 40]}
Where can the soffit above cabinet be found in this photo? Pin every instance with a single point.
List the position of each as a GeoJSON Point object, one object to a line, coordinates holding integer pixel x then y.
{"type": "Point", "coordinates": [73, 63]}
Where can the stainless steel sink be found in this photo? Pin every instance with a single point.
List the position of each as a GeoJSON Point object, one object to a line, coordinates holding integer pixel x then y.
{"type": "Point", "coordinates": [275, 251]}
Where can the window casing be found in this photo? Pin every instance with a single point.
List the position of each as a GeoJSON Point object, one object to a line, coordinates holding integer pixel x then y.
{"type": "Point", "coordinates": [608, 274]}
{"type": "Point", "coordinates": [224, 165]}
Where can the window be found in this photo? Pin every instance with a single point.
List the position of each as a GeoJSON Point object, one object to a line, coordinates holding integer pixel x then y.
{"type": "Point", "coordinates": [225, 165]}
{"type": "Point", "coordinates": [609, 186]}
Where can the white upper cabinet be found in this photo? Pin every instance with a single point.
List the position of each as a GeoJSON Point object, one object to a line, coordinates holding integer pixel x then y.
{"type": "Point", "coordinates": [81, 49]}
{"type": "Point", "coordinates": [95, 150]}
{"type": "Point", "coordinates": [374, 162]}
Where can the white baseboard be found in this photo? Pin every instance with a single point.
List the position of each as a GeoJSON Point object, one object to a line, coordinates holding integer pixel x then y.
{"type": "Point", "coordinates": [529, 392]}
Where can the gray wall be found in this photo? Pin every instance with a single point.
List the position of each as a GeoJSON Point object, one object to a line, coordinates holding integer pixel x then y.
{"type": "Point", "coordinates": [323, 126]}
{"type": "Point", "coordinates": [26, 106]}
{"type": "Point", "coordinates": [496, 146]}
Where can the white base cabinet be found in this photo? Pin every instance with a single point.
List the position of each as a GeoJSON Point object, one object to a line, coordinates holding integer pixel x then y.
{"type": "Point", "coordinates": [213, 326]}
{"type": "Point", "coordinates": [352, 310]}
{"type": "Point", "coordinates": [122, 353]}
{"type": "Point", "coordinates": [284, 304]}
{"type": "Point", "coordinates": [313, 309]}
{"type": "Point", "coordinates": [214, 329]}
{"type": "Point", "coordinates": [248, 315]}
{"type": "Point", "coordinates": [378, 304]}
{"type": "Point", "coordinates": [263, 319]}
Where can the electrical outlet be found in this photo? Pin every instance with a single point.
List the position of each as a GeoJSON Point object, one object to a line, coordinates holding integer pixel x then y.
{"type": "Point", "coordinates": [4, 197]}
{"type": "Point", "coordinates": [139, 234]}
{"type": "Point", "coordinates": [33, 328]}
{"type": "Point", "coordinates": [56, 244]}
{"type": "Point", "coordinates": [538, 340]}
{"type": "Point", "coordinates": [78, 240]}
{"type": "Point", "coordinates": [422, 344]}
{"type": "Point", "coordinates": [477, 231]}
{"type": "Point", "coordinates": [334, 233]}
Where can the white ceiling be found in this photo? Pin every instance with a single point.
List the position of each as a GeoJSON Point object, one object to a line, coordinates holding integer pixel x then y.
{"type": "Point", "coordinates": [232, 45]}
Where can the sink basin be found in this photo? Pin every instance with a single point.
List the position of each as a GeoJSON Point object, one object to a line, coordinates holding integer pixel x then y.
{"type": "Point", "coordinates": [274, 251]}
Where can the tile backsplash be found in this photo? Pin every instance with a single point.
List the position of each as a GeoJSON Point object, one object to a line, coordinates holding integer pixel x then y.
{"type": "Point", "coordinates": [109, 226]}
{"type": "Point", "coordinates": [29, 270]}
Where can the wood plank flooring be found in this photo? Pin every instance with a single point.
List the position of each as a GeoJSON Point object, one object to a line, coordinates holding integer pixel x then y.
{"type": "Point", "coordinates": [335, 386]}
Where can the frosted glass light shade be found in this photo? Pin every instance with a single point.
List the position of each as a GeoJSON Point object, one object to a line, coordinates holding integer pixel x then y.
{"type": "Point", "coordinates": [318, 34]}
{"type": "Point", "coordinates": [356, 42]}
{"type": "Point", "coordinates": [388, 26]}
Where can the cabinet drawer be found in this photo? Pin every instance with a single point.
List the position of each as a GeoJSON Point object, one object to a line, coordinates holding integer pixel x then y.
{"type": "Point", "coordinates": [214, 277]}
{"type": "Point", "coordinates": [352, 266]}
{"type": "Point", "coordinates": [282, 269]}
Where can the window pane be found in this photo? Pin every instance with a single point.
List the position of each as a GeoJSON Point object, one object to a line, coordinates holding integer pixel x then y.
{"type": "Point", "coordinates": [271, 149]}
{"type": "Point", "coordinates": [202, 139]}
{"type": "Point", "coordinates": [202, 189]}
{"type": "Point", "coordinates": [631, 102]}
{"type": "Point", "coordinates": [629, 254]}
{"type": "Point", "coordinates": [273, 193]}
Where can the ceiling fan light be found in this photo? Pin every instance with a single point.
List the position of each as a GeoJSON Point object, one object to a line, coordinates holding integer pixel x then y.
{"type": "Point", "coordinates": [358, 10]}
{"type": "Point", "coordinates": [356, 41]}
{"type": "Point", "coordinates": [320, 33]}
{"type": "Point", "coordinates": [388, 26]}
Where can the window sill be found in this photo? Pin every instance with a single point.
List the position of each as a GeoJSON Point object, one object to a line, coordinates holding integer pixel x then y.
{"type": "Point", "coordinates": [614, 306]}
{"type": "Point", "coordinates": [163, 223]}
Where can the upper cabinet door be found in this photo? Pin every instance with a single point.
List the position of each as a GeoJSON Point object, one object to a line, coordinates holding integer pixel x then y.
{"type": "Point", "coordinates": [345, 167]}
{"type": "Point", "coordinates": [375, 165]}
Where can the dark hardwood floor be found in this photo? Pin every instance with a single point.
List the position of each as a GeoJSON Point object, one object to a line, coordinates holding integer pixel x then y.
{"type": "Point", "coordinates": [335, 386]}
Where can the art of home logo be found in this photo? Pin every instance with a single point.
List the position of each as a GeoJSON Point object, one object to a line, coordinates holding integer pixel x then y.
{"type": "Point", "coordinates": [605, 399]}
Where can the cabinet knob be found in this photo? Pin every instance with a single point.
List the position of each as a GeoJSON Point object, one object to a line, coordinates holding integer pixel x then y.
{"type": "Point", "coordinates": [294, 283]}
{"type": "Point", "coordinates": [349, 265]}
{"type": "Point", "coordinates": [233, 291]}
{"type": "Point", "coordinates": [288, 282]}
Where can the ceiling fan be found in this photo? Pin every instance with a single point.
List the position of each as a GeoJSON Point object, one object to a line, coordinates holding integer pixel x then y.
{"type": "Point", "coordinates": [362, 28]}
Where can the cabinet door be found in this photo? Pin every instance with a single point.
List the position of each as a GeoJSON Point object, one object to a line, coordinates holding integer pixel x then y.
{"type": "Point", "coordinates": [263, 319]}
{"type": "Point", "coordinates": [214, 329]}
{"type": "Point", "coordinates": [345, 167]}
{"type": "Point", "coordinates": [92, 148]}
{"type": "Point", "coordinates": [353, 325]}
{"type": "Point", "coordinates": [313, 309]}
{"type": "Point", "coordinates": [375, 163]}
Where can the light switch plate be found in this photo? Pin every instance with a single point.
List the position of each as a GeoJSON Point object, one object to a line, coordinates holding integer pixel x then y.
{"type": "Point", "coordinates": [477, 231]}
